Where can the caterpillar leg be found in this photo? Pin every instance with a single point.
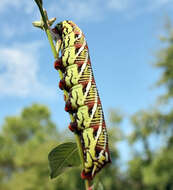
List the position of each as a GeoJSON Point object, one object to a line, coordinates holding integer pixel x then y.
{"type": "Point", "coordinates": [62, 84]}
{"type": "Point", "coordinates": [58, 65]}
{"type": "Point", "coordinates": [73, 126]}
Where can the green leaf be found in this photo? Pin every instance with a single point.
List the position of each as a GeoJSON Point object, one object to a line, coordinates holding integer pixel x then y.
{"type": "Point", "coordinates": [63, 157]}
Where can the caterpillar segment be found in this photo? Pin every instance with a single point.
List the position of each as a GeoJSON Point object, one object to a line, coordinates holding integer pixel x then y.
{"type": "Point", "coordinates": [79, 80]}
{"type": "Point", "coordinates": [78, 72]}
{"type": "Point", "coordinates": [83, 98]}
{"type": "Point", "coordinates": [96, 152]}
{"type": "Point", "coordinates": [88, 96]}
{"type": "Point", "coordinates": [86, 118]}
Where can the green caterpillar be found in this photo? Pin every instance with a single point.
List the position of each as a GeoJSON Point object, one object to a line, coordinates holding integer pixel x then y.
{"type": "Point", "coordinates": [83, 101]}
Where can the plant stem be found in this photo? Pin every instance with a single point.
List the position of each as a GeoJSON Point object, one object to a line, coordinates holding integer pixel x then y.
{"type": "Point", "coordinates": [46, 28]}
{"type": "Point", "coordinates": [87, 184]}
{"type": "Point", "coordinates": [55, 54]}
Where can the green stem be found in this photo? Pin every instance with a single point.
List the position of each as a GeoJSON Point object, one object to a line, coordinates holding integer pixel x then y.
{"type": "Point", "coordinates": [55, 54]}
{"type": "Point", "coordinates": [87, 184]}
{"type": "Point", "coordinates": [46, 28]}
{"type": "Point", "coordinates": [79, 145]}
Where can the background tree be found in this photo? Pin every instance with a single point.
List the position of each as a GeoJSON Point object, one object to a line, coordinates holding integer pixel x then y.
{"type": "Point", "coordinates": [26, 140]}
{"type": "Point", "coordinates": [152, 168]}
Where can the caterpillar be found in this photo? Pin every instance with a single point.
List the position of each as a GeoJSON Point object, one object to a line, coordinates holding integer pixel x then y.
{"type": "Point", "coordinates": [83, 100]}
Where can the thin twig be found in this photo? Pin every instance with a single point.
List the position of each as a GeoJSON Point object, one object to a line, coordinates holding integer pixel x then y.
{"type": "Point", "coordinates": [55, 54]}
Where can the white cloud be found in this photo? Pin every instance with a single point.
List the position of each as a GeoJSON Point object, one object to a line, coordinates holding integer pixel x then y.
{"type": "Point", "coordinates": [16, 17]}
{"type": "Point", "coordinates": [9, 31]}
{"type": "Point", "coordinates": [85, 9]}
{"type": "Point", "coordinates": [75, 9]}
{"type": "Point", "coordinates": [26, 5]}
{"type": "Point", "coordinates": [19, 72]}
{"type": "Point", "coordinates": [94, 10]}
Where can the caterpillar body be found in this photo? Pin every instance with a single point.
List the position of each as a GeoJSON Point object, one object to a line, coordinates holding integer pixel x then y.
{"type": "Point", "coordinates": [83, 100]}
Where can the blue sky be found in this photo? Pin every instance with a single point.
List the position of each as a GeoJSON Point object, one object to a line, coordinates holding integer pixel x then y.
{"type": "Point", "coordinates": [123, 38]}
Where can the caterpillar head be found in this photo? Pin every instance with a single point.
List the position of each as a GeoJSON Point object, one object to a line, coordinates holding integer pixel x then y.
{"type": "Point", "coordinates": [64, 28]}
{"type": "Point", "coordinates": [57, 30]}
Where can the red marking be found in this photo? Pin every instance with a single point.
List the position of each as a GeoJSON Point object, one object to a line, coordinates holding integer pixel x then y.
{"type": "Point", "coordinates": [68, 107]}
{"type": "Point", "coordinates": [79, 63]}
{"type": "Point", "coordinates": [98, 101]}
{"type": "Point", "coordinates": [71, 23]}
{"type": "Point", "coordinates": [55, 30]}
{"type": "Point", "coordinates": [93, 80]}
{"type": "Point", "coordinates": [95, 127]}
{"type": "Point", "coordinates": [62, 84]}
{"type": "Point", "coordinates": [73, 126]}
{"type": "Point", "coordinates": [89, 62]}
{"type": "Point", "coordinates": [77, 32]}
{"type": "Point", "coordinates": [84, 83]}
{"type": "Point", "coordinates": [71, 129]}
{"type": "Point", "coordinates": [90, 188]}
{"type": "Point", "coordinates": [77, 46]}
{"type": "Point", "coordinates": [58, 64]}
{"type": "Point", "coordinates": [90, 105]}
{"type": "Point", "coordinates": [98, 148]}
{"type": "Point", "coordinates": [103, 124]}
{"type": "Point", "coordinates": [64, 97]}
{"type": "Point", "coordinates": [95, 124]}
{"type": "Point", "coordinates": [86, 175]}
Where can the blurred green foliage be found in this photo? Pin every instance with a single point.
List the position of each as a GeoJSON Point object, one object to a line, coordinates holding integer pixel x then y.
{"type": "Point", "coordinates": [151, 167]}
{"type": "Point", "coordinates": [26, 140]}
